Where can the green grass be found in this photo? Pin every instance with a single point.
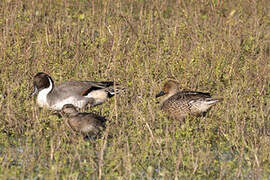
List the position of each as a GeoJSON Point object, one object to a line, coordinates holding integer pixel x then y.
{"type": "Point", "coordinates": [221, 47]}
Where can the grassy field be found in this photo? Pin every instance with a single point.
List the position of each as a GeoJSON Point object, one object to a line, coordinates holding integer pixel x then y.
{"type": "Point", "coordinates": [216, 46]}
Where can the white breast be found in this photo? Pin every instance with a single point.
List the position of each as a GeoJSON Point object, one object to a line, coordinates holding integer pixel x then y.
{"type": "Point", "coordinates": [42, 97]}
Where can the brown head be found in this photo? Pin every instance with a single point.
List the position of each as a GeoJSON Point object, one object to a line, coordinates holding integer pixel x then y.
{"type": "Point", "coordinates": [41, 81]}
{"type": "Point", "coordinates": [169, 88]}
{"type": "Point", "coordinates": [69, 109]}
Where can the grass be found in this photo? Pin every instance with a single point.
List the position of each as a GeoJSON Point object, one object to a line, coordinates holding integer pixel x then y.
{"type": "Point", "coordinates": [221, 47]}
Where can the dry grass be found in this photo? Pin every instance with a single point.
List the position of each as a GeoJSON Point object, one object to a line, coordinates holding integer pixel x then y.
{"type": "Point", "coordinates": [218, 46]}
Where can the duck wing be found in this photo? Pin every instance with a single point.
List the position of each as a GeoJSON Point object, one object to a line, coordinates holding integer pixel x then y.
{"type": "Point", "coordinates": [191, 95]}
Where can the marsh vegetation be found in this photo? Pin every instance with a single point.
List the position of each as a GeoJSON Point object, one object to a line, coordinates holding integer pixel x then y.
{"type": "Point", "coordinates": [221, 47]}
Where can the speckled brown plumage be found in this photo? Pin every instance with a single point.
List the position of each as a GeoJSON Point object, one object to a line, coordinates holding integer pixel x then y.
{"type": "Point", "coordinates": [179, 104]}
{"type": "Point", "coordinates": [86, 123]}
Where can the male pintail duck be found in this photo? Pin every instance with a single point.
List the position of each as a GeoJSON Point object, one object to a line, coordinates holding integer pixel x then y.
{"type": "Point", "coordinates": [78, 93]}
{"type": "Point", "coordinates": [86, 123]}
{"type": "Point", "coordinates": [179, 104]}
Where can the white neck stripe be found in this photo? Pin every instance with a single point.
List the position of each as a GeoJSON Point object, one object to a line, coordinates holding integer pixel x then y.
{"type": "Point", "coordinates": [42, 95]}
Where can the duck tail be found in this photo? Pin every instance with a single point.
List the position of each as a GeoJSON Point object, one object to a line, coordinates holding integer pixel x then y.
{"type": "Point", "coordinates": [212, 101]}
{"type": "Point", "coordinates": [113, 91]}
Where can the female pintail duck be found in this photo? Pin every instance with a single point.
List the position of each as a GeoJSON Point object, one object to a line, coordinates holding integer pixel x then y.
{"type": "Point", "coordinates": [179, 104]}
{"type": "Point", "coordinates": [86, 123]}
{"type": "Point", "coordinates": [78, 93]}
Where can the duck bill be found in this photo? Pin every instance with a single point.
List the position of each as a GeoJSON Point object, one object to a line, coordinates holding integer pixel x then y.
{"type": "Point", "coordinates": [34, 92]}
{"type": "Point", "coordinates": [160, 94]}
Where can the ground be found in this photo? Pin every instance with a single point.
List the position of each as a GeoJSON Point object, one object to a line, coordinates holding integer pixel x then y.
{"type": "Point", "coordinates": [215, 46]}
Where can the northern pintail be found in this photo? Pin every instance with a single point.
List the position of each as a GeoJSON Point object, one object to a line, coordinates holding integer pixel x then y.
{"type": "Point", "coordinates": [78, 93]}
{"type": "Point", "coordinates": [88, 124]}
{"type": "Point", "coordinates": [179, 104]}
